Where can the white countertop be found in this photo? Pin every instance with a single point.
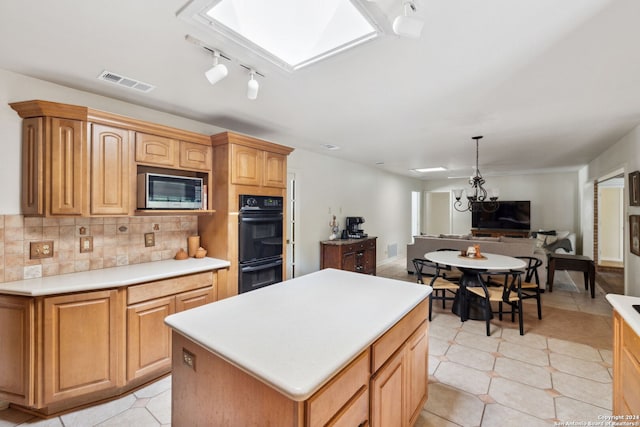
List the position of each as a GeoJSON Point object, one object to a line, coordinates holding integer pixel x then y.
{"type": "Point", "coordinates": [295, 335]}
{"type": "Point", "coordinates": [623, 305]}
{"type": "Point", "coordinates": [110, 277]}
{"type": "Point", "coordinates": [490, 262]}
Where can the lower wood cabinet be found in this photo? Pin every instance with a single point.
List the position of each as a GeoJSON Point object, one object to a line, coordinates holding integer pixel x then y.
{"type": "Point", "coordinates": [64, 351]}
{"type": "Point", "coordinates": [148, 338]}
{"type": "Point", "coordinates": [626, 369]}
{"type": "Point", "coordinates": [80, 345]}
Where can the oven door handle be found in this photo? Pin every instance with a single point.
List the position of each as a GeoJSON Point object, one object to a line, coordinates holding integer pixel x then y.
{"type": "Point", "coordinates": [261, 267]}
{"type": "Point", "coordinates": [261, 219]}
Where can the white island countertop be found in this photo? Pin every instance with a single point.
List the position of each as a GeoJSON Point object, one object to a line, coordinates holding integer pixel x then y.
{"type": "Point", "coordinates": [624, 305]}
{"type": "Point", "coordinates": [110, 277]}
{"type": "Point", "coordinates": [295, 335]}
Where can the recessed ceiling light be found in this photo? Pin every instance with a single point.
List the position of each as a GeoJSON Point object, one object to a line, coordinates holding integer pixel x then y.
{"type": "Point", "coordinates": [289, 33]}
{"type": "Point", "coordinates": [424, 170]}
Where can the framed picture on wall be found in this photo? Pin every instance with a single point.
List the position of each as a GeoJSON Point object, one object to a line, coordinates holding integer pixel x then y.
{"type": "Point", "coordinates": [634, 229]}
{"type": "Point", "coordinates": [634, 188]}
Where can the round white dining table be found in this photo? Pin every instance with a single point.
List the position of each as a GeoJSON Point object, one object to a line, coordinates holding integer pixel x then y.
{"type": "Point", "coordinates": [469, 306]}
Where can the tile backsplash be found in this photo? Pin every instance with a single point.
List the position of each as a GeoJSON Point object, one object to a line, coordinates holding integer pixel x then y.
{"type": "Point", "coordinates": [117, 241]}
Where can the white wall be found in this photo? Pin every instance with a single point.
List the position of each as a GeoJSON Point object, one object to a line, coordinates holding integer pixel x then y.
{"type": "Point", "coordinates": [554, 199]}
{"type": "Point", "coordinates": [324, 183]}
{"type": "Point", "coordinates": [326, 186]}
{"type": "Point", "coordinates": [625, 155]}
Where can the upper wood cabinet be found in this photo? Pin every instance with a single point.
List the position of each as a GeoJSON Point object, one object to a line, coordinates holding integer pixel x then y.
{"type": "Point", "coordinates": [111, 171]}
{"type": "Point", "coordinates": [81, 162]}
{"type": "Point", "coordinates": [251, 161]}
{"type": "Point", "coordinates": [159, 151]}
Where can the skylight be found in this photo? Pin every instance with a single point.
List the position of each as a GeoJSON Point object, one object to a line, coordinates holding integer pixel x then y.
{"type": "Point", "coordinates": [291, 33]}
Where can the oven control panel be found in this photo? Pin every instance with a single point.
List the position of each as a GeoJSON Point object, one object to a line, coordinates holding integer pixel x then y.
{"type": "Point", "coordinates": [248, 202]}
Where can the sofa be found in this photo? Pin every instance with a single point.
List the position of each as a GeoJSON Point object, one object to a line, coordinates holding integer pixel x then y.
{"type": "Point", "coordinates": [538, 245]}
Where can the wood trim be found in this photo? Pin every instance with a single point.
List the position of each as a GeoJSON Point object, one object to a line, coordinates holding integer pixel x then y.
{"type": "Point", "coordinates": [248, 141]}
{"type": "Point", "coordinates": [39, 108]}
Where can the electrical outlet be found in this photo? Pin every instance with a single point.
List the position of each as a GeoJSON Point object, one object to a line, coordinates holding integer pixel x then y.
{"type": "Point", "coordinates": [149, 239]}
{"type": "Point", "coordinates": [86, 244]}
{"type": "Point", "coordinates": [39, 250]}
{"type": "Point", "coordinates": [189, 358]}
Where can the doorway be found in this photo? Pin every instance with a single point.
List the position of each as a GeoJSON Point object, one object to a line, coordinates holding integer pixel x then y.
{"type": "Point", "coordinates": [610, 222]}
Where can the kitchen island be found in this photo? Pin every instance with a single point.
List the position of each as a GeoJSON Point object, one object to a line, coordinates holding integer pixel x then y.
{"type": "Point", "coordinates": [626, 357]}
{"type": "Point", "coordinates": [331, 347]}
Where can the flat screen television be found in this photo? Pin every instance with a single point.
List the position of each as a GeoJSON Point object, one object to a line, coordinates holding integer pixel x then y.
{"type": "Point", "coordinates": [510, 215]}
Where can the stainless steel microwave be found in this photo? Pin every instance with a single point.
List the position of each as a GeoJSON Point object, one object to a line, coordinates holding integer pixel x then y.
{"type": "Point", "coordinates": [158, 191]}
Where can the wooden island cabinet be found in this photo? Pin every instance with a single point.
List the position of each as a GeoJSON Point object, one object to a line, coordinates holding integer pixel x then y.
{"type": "Point", "coordinates": [268, 370]}
{"type": "Point", "coordinates": [64, 350]}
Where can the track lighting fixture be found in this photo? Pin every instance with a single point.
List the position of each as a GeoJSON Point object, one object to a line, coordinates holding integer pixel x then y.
{"type": "Point", "coordinates": [406, 25]}
{"type": "Point", "coordinates": [218, 71]}
{"type": "Point", "coordinates": [252, 86]}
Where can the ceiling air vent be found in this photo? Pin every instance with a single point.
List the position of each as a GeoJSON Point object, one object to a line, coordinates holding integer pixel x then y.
{"type": "Point", "coordinates": [127, 82]}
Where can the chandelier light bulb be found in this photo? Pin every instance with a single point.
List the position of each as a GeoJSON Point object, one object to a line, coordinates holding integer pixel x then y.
{"type": "Point", "coordinates": [252, 87]}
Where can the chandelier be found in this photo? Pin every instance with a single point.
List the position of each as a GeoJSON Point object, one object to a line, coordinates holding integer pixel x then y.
{"type": "Point", "coordinates": [477, 197]}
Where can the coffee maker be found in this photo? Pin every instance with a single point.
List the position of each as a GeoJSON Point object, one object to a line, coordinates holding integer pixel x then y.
{"type": "Point", "coordinates": [353, 227]}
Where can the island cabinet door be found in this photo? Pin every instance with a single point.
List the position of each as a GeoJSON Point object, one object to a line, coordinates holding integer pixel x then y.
{"type": "Point", "coordinates": [81, 344]}
{"type": "Point", "coordinates": [148, 338]}
{"type": "Point", "coordinates": [417, 372]}
{"type": "Point", "coordinates": [387, 395]}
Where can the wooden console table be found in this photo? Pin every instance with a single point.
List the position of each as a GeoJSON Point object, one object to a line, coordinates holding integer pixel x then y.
{"type": "Point", "coordinates": [573, 263]}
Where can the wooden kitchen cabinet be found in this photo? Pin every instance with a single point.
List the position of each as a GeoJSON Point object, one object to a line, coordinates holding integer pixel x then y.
{"type": "Point", "coordinates": [80, 345]}
{"type": "Point", "coordinates": [171, 153]}
{"type": "Point", "coordinates": [54, 166]}
{"type": "Point", "coordinates": [626, 368]}
{"type": "Point", "coordinates": [357, 255]}
{"type": "Point", "coordinates": [17, 348]}
{"type": "Point", "coordinates": [63, 351]}
{"type": "Point", "coordinates": [241, 165]}
{"type": "Point", "coordinates": [82, 162]}
{"type": "Point", "coordinates": [148, 338]}
{"type": "Point", "coordinates": [399, 388]}
{"type": "Point", "coordinates": [111, 171]}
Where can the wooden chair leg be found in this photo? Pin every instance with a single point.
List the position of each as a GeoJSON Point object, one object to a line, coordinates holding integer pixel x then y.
{"type": "Point", "coordinates": [539, 306]}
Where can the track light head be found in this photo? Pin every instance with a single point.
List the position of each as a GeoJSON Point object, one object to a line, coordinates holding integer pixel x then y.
{"type": "Point", "coordinates": [252, 86]}
{"type": "Point", "coordinates": [406, 25]}
{"type": "Point", "coordinates": [218, 71]}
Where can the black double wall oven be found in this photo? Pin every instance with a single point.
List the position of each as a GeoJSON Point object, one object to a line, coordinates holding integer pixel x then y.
{"type": "Point", "coordinates": [260, 222]}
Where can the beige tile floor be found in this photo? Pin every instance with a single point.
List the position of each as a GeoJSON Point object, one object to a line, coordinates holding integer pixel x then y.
{"type": "Point", "coordinates": [559, 371]}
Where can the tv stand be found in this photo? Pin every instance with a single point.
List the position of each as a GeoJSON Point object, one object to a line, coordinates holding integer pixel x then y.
{"type": "Point", "coordinates": [490, 232]}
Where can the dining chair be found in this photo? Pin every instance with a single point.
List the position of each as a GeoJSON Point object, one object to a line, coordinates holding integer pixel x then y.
{"type": "Point", "coordinates": [450, 273]}
{"type": "Point", "coordinates": [531, 281]}
{"type": "Point", "coordinates": [439, 284]}
{"type": "Point", "coordinates": [509, 293]}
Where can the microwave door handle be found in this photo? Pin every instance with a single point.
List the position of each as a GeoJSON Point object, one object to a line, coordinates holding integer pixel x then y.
{"type": "Point", "coordinates": [262, 267]}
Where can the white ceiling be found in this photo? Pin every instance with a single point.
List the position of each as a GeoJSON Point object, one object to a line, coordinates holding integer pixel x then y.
{"type": "Point", "coordinates": [550, 84]}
